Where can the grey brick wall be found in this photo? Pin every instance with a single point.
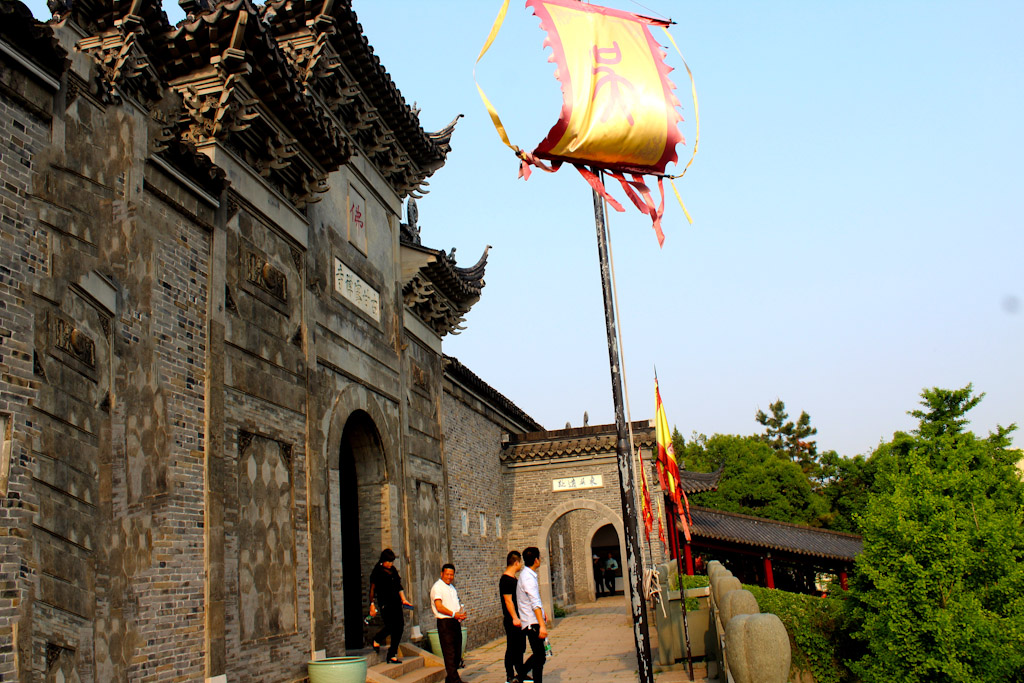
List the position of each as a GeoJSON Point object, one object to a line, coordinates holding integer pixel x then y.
{"type": "Point", "coordinates": [538, 512]}
{"type": "Point", "coordinates": [472, 445]}
{"type": "Point", "coordinates": [22, 257]}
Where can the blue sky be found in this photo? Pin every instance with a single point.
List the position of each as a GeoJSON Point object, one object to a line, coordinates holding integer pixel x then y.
{"type": "Point", "coordinates": [857, 200]}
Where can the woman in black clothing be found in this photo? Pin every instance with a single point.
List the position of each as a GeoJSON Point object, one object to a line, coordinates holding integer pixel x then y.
{"type": "Point", "coordinates": [387, 598]}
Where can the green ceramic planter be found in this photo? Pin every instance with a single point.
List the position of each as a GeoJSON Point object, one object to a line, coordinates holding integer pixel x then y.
{"type": "Point", "coordinates": [338, 670]}
{"type": "Point", "coordinates": [435, 642]}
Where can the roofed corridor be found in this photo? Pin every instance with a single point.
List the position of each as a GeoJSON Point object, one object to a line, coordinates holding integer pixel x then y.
{"type": "Point", "coordinates": [594, 644]}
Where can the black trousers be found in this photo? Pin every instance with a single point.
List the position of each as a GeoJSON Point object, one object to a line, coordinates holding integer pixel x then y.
{"type": "Point", "coordinates": [449, 632]}
{"type": "Point", "coordinates": [515, 645]}
{"type": "Point", "coordinates": [535, 663]}
{"type": "Point", "coordinates": [394, 624]}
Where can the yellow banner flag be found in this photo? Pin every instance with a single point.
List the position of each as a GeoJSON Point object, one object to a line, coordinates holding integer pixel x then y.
{"type": "Point", "coordinates": [618, 110]}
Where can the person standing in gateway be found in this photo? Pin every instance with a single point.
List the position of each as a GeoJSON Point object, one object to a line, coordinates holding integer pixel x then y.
{"type": "Point", "coordinates": [515, 639]}
{"type": "Point", "coordinates": [444, 601]}
{"type": "Point", "coordinates": [531, 613]}
{"type": "Point", "coordinates": [611, 570]}
{"type": "Point", "coordinates": [386, 591]}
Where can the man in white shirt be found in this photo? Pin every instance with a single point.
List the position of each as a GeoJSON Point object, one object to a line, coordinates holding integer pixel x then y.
{"type": "Point", "coordinates": [531, 612]}
{"type": "Point", "coordinates": [444, 601]}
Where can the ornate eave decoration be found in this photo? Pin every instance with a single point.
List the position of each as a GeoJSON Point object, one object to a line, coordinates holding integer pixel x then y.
{"type": "Point", "coordinates": [251, 76]}
{"type": "Point", "coordinates": [118, 46]}
{"type": "Point", "coordinates": [327, 49]}
{"type": "Point", "coordinates": [240, 90]}
{"type": "Point", "coordinates": [437, 291]}
{"type": "Point", "coordinates": [124, 67]}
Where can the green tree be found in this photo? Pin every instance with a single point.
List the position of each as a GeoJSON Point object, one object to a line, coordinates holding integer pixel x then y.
{"type": "Point", "coordinates": [938, 591]}
{"type": "Point", "coordinates": [755, 481]}
{"type": "Point", "coordinates": [846, 484]}
{"type": "Point", "coordinates": [787, 438]}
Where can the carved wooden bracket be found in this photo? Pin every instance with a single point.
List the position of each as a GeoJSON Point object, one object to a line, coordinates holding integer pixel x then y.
{"type": "Point", "coordinates": [216, 114]}
{"type": "Point", "coordinates": [123, 64]}
{"type": "Point", "coordinates": [313, 184]}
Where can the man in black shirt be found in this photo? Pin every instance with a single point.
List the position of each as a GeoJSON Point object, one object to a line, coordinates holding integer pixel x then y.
{"type": "Point", "coordinates": [514, 634]}
{"type": "Point", "coordinates": [386, 592]}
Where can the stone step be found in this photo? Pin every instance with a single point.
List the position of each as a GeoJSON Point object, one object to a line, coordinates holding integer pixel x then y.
{"type": "Point", "coordinates": [426, 674]}
{"type": "Point", "coordinates": [395, 671]}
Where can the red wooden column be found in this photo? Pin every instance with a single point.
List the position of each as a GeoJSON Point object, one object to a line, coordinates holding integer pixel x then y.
{"type": "Point", "coordinates": [689, 560]}
{"type": "Point", "coordinates": [842, 580]}
{"type": "Point", "coordinates": [769, 578]}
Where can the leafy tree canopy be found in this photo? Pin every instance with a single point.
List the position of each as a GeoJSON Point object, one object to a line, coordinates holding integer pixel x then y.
{"type": "Point", "coordinates": [755, 481]}
{"type": "Point", "coordinates": [846, 483]}
{"type": "Point", "coordinates": [938, 591]}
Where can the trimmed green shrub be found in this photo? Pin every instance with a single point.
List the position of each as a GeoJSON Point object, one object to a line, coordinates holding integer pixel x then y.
{"type": "Point", "coordinates": [816, 631]}
{"type": "Point", "coordinates": [815, 626]}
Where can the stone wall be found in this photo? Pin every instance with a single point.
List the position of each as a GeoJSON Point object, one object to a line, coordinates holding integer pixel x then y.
{"type": "Point", "coordinates": [179, 364]}
{"type": "Point", "coordinates": [478, 494]}
{"type": "Point", "coordinates": [540, 514]}
{"type": "Point", "coordinates": [118, 341]}
{"type": "Point", "coordinates": [23, 133]}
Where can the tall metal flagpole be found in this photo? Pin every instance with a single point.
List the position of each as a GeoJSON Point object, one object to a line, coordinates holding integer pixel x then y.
{"type": "Point", "coordinates": [680, 571]}
{"type": "Point", "coordinates": [634, 559]}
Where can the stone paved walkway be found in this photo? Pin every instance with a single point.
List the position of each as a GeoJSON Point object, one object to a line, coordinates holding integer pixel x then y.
{"type": "Point", "coordinates": [594, 644]}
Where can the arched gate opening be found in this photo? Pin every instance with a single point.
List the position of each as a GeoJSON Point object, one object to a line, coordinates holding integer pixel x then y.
{"type": "Point", "coordinates": [362, 478]}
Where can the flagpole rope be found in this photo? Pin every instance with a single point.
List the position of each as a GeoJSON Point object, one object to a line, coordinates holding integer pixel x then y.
{"type": "Point", "coordinates": [696, 116]}
{"type": "Point", "coordinates": [622, 358]}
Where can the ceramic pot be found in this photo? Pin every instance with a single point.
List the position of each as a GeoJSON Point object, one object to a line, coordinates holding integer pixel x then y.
{"type": "Point", "coordinates": [338, 670]}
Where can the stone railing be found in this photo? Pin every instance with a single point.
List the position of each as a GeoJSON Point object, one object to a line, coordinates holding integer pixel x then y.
{"type": "Point", "coordinates": [751, 647]}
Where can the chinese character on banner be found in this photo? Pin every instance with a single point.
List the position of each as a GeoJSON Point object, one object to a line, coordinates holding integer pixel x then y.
{"type": "Point", "coordinates": [619, 111]}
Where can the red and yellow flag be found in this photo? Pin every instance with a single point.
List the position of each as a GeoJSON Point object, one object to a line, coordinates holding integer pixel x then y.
{"type": "Point", "coordinates": [645, 505]}
{"type": "Point", "coordinates": [661, 529]}
{"type": "Point", "coordinates": [668, 466]}
{"type": "Point", "coordinates": [684, 516]}
{"type": "Point", "coordinates": [619, 112]}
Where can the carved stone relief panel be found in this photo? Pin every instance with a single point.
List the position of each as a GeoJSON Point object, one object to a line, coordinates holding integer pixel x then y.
{"type": "Point", "coordinates": [262, 277]}
{"type": "Point", "coordinates": [262, 264]}
{"type": "Point", "coordinates": [266, 538]}
{"type": "Point", "coordinates": [258, 271]}
{"type": "Point", "coordinates": [70, 343]}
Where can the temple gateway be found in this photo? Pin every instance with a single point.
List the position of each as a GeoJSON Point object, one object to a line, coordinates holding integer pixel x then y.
{"type": "Point", "coordinates": [222, 384]}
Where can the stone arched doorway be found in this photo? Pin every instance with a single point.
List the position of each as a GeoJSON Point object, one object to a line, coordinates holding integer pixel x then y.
{"type": "Point", "coordinates": [564, 537]}
{"type": "Point", "coordinates": [605, 542]}
{"type": "Point", "coordinates": [362, 499]}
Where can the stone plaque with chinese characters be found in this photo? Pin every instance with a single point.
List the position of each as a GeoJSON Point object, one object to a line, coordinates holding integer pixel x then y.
{"type": "Point", "coordinates": [589, 481]}
{"type": "Point", "coordinates": [357, 220]}
{"type": "Point", "coordinates": [356, 290]}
